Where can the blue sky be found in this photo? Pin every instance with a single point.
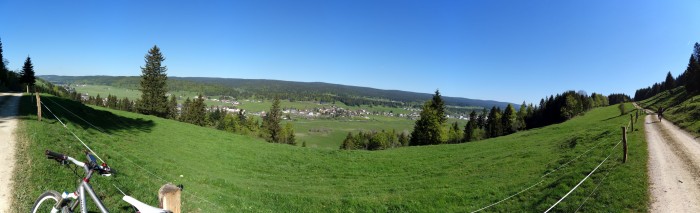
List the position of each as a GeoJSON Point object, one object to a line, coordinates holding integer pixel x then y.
{"type": "Point", "coordinates": [498, 50]}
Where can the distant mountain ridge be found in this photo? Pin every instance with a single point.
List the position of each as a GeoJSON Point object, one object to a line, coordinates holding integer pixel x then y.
{"type": "Point", "coordinates": [350, 95]}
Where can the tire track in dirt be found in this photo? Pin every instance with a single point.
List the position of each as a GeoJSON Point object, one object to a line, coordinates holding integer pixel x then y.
{"type": "Point", "coordinates": [674, 168]}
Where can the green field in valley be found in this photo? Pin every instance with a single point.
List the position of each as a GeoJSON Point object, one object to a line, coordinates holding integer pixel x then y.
{"type": "Point", "coordinates": [317, 133]}
{"type": "Point", "coordinates": [224, 172]}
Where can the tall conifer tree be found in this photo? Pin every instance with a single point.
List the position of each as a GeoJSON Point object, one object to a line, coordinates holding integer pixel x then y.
{"type": "Point", "coordinates": [3, 69]}
{"type": "Point", "coordinates": [153, 85]}
{"type": "Point", "coordinates": [27, 74]}
{"type": "Point", "coordinates": [271, 122]}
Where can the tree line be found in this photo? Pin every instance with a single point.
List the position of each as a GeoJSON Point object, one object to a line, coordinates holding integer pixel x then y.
{"type": "Point", "coordinates": [690, 79]}
{"type": "Point", "coordinates": [16, 80]}
{"type": "Point", "coordinates": [432, 128]}
{"type": "Point", "coordinates": [154, 101]}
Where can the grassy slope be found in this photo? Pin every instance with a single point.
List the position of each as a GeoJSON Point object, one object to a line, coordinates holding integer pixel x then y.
{"type": "Point", "coordinates": [240, 173]}
{"type": "Point", "coordinates": [681, 108]}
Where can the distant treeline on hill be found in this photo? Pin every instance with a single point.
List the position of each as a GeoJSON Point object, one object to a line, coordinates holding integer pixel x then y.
{"type": "Point", "coordinates": [432, 127]}
{"type": "Point", "coordinates": [286, 90]}
{"type": "Point", "coordinates": [690, 79]}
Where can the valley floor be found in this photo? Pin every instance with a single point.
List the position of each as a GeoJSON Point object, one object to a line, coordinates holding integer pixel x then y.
{"type": "Point", "coordinates": [674, 167]}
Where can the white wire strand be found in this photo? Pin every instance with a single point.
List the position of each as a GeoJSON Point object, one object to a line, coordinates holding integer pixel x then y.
{"type": "Point", "coordinates": [509, 197]}
{"type": "Point", "coordinates": [98, 128]}
{"type": "Point", "coordinates": [594, 189]}
{"type": "Point", "coordinates": [582, 180]}
{"type": "Point", "coordinates": [132, 162]}
{"type": "Point", "coordinates": [557, 169]}
{"type": "Point", "coordinates": [71, 132]}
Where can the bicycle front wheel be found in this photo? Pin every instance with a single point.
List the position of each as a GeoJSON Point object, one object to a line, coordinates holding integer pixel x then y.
{"type": "Point", "coordinates": [46, 202]}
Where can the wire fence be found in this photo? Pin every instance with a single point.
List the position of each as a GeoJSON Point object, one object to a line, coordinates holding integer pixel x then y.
{"type": "Point", "coordinates": [478, 210]}
{"type": "Point", "coordinates": [152, 174]}
{"type": "Point", "coordinates": [555, 170]}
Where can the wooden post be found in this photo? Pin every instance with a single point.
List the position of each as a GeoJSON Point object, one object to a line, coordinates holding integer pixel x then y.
{"type": "Point", "coordinates": [169, 198]}
{"type": "Point", "coordinates": [631, 122]}
{"type": "Point", "coordinates": [636, 117]}
{"type": "Point", "coordinates": [624, 144]}
{"type": "Point", "coordinates": [38, 106]}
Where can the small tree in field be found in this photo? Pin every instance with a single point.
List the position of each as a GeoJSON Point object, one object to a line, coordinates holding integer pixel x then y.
{"type": "Point", "coordinates": [271, 122]}
{"type": "Point", "coordinates": [622, 108]}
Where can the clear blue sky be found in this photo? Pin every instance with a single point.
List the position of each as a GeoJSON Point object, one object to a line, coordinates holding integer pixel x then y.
{"type": "Point", "coordinates": [498, 50]}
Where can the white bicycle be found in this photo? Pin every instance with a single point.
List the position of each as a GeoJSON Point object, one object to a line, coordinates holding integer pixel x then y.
{"type": "Point", "coordinates": [52, 201]}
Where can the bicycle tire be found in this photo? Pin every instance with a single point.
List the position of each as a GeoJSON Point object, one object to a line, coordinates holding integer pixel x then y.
{"type": "Point", "coordinates": [46, 201]}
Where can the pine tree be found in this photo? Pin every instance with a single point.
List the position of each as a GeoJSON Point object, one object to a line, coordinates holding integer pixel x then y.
{"type": "Point", "coordinates": [670, 82]}
{"type": "Point", "coordinates": [470, 127]}
{"type": "Point", "coordinates": [198, 111]}
{"type": "Point", "coordinates": [493, 123]}
{"type": "Point", "coordinates": [455, 135]}
{"type": "Point", "coordinates": [693, 75]}
{"type": "Point", "coordinates": [27, 74]}
{"type": "Point", "coordinates": [481, 120]}
{"type": "Point", "coordinates": [153, 85]}
{"type": "Point", "coordinates": [509, 120]}
{"type": "Point", "coordinates": [98, 100]}
{"type": "Point", "coordinates": [427, 129]}
{"type": "Point", "coordinates": [3, 69]}
{"type": "Point", "coordinates": [522, 114]}
{"type": "Point", "coordinates": [290, 138]}
{"type": "Point", "coordinates": [172, 108]}
{"type": "Point", "coordinates": [271, 122]}
{"type": "Point", "coordinates": [185, 111]}
{"type": "Point", "coordinates": [439, 105]}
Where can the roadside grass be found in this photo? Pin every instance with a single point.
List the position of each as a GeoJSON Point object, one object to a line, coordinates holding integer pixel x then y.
{"type": "Point", "coordinates": [680, 108]}
{"type": "Point", "coordinates": [224, 172]}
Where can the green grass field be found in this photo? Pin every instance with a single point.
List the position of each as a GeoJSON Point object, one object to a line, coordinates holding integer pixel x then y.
{"type": "Point", "coordinates": [224, 172]}
{"type": "Point", "coordinates": [332, 131]}
{"type": "Point", "coordinates": [680, 108]}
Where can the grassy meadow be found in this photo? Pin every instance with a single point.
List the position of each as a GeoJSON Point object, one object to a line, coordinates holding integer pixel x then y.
{"type": "Point", "coordinates": [224, 172]}
{"type": "Point", "coordinates": [317, 133]}
{"type": "Point", "coordinates": [681, 108]}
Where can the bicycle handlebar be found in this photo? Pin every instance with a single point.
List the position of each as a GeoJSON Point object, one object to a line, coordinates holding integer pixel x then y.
{"type": "Point", "coordinates": [63, 158]}
{"type": "Point", "coordinates": [55, 155]}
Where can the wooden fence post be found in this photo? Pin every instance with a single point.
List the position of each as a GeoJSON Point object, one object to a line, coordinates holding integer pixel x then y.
{"type": "Point", "coordinates": [38, 106]}
{"type": "Point", "coordinates": [632, 122]}
{"type": "Point", "coordinates": [624, 144]}
{"type": "Point", "coordinates": [169, 198]}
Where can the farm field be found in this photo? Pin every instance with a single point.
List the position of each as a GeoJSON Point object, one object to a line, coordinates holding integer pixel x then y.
{"type": "Point", "coordinates": [224, 172]}
{"type": "Point", "coordinates": [318, 133]}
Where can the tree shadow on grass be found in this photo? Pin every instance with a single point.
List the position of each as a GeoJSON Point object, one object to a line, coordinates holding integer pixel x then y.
{"type": "Point", "coordinates": [626, 113]}
{"type": "Point", "coordinates": [80, 115]}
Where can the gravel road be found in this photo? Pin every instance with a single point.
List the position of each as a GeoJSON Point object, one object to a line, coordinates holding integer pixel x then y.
{"type": "Point", "coordinates": [674, 167]}
{"type": "Point", "coordinates": [8, 123]}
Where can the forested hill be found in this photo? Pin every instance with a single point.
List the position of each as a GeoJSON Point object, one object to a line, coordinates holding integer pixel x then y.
{"type": "Point", "coordinates": [246, 88]}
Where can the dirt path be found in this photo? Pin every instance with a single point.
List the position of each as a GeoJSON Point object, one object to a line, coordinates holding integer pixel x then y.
{"type": "Point", "coordinates": [674, 167]}
{"type": "Point", "coordinates": [8, 123]}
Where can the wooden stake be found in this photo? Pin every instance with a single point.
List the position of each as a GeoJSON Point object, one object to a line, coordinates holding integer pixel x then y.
{"type": "Point", "coordinates": [624, 144]}
{"type": "Point", "coordinates": [169, 198]}
{"type": "Point", "coordinates": [632, 122]}
{"type": "Point", "coordinates": [38, 106]}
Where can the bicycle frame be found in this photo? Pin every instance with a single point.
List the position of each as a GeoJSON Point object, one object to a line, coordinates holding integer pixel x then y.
{"type": "Point", "coordinates": [70, 201]}
{"type": "Point", "coordinates": [82, 189]}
